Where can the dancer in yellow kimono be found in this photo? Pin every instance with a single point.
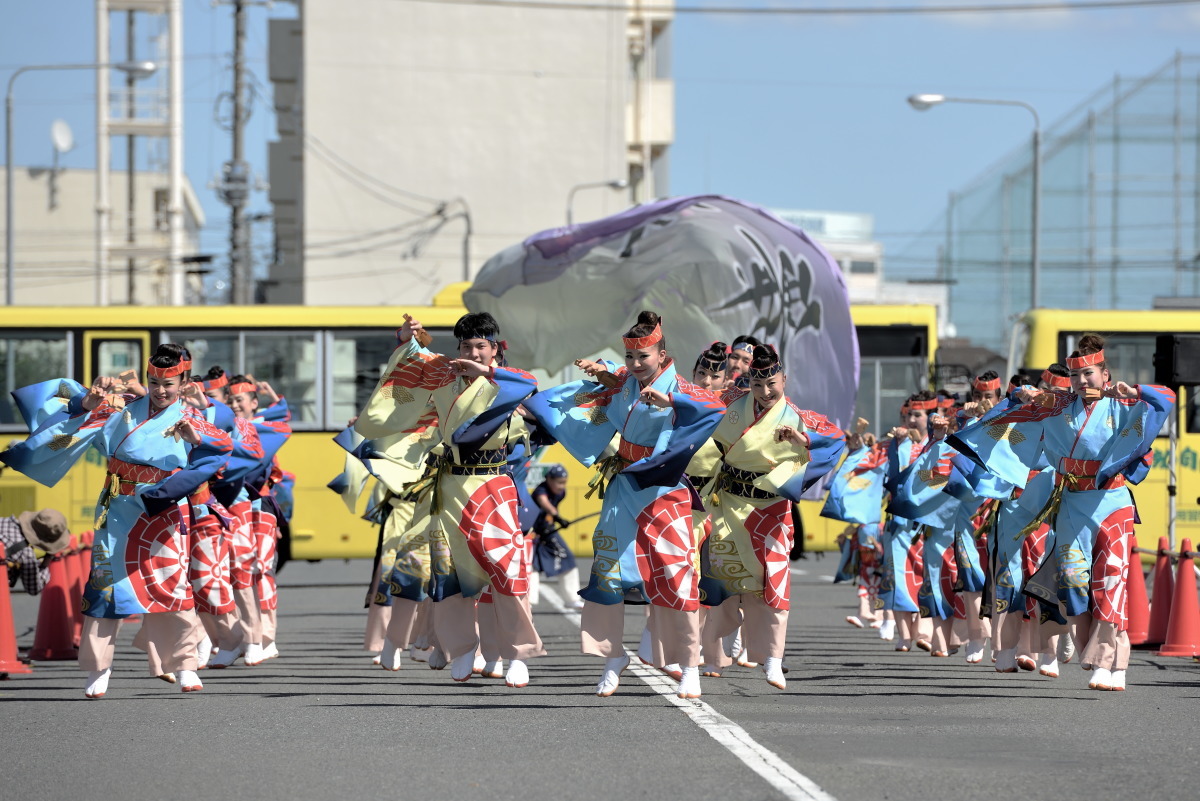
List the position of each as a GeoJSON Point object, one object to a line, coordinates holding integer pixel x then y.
{"type": "Point", "coordinates": [765, 446]}
{"type": "Point", "coordinates": [472, 529]}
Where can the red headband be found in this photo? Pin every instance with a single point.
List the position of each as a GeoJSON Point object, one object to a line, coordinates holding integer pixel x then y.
{"type": "Point", "coordinates": [239, 388]}
{"type": "Point", "coordinates": [218, 382]}
{"type": "Point", "coordinates": [923, 405]}
{"type": "Point", "coordinates": [169, 372]}
{"type": "Point", "coordinates": [1056, 381]}
{"type": "Point", "coordinates": [1080, 362]}
{"type": "Point", "coordinates": [945, 403]}
{"type": "Point", "coordinates": [986, 386]}
{"type": "Point", "coordinates": [641, 343]}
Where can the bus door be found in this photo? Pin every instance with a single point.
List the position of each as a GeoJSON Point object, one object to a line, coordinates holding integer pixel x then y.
{"type": "Point", "coordinates": [113, 352]}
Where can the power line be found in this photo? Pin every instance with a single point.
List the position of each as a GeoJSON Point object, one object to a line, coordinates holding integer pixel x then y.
{"type": "Point", "coordinates": [830, 11]}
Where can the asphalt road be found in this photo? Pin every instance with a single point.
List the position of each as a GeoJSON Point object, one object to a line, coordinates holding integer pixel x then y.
{"type": "Point", "coordinates": [858, 719]}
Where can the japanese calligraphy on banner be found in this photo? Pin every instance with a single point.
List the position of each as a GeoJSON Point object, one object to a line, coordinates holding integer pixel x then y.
{"type": "Point", "coordinates": [712, 266]}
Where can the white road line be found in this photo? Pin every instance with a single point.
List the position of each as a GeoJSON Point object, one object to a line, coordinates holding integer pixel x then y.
{"type": "Point", "coordinates": [793, 784]}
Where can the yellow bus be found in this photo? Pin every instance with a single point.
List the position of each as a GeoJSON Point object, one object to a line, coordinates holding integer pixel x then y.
{"type": "Point", "coordinates": [1044, 336]}
{"type": "Point", "coordinates": [326, 361]}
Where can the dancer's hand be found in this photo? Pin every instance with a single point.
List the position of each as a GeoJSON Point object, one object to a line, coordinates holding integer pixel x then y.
{"type": "Point", "coordinates": [468, 368]}
{"type": "Point", "coordinates": [653, 397]}
{"type": "Point", "coordinates": [1122, 390]}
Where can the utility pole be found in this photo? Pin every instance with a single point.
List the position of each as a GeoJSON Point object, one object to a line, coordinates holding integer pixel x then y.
{"type": "Point", "coordinates": [234, 187]}
{"type": "Point", "coordinates": [130, 156]}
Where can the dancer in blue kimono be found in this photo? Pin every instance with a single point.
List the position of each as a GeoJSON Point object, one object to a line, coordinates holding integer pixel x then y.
{"type": "Point", "coordinates": [157, 456]}
{"type": "Point", "coordinates": [1090, 438]}
{"type": "Point", "coordinates": [902, 561]}
{"type": "Point", "coordinates": [645, 549]}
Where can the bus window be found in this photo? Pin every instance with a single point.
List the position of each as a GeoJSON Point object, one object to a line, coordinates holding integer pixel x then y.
{"type": "Point", "coordinates": [883, 386]}
{"type": "Point", "coordinates": [115, 356]}
{"type": "Point", "coordinates": [27, 358]}
{"type": "Point", "coordinates": [356, 359]}
{"type": "Point", "coordinates": [289, 362]}
{"type": "Point", "coordinates": [208, 349]}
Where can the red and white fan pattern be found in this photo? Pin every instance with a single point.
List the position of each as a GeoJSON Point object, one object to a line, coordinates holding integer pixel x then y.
{"type": "Point", "coordinates": [666, 551]}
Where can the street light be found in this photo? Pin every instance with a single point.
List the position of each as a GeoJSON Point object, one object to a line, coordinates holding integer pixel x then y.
{"type": "Point", "coordinates": [924, 102]}
{"type": "Point", "coordinates": [135, 69]}
{"type": "Point", "coordinates": [616, 183]}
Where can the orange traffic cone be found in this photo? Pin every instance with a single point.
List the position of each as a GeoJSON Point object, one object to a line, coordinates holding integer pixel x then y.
{"type": "Point", "coordinates": [74, 590]}
{"type": "Point", "coordinates": [1164, 589]}
{"type": "Point", "coordinates": [1139, 603]}
{"type": "Point", "coordinates": [9, 661]}
{"type": "Point", "coordinates": [54, 638]}
{"type": "Point", "coordinates": [1183, 632]}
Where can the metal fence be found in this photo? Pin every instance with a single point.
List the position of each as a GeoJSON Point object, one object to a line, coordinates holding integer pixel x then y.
{"type": "Point", "coordinates": [1120, 215]}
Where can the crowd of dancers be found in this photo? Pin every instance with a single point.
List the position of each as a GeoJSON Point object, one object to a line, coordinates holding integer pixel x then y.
{"type": "Point", "coordinates": [1008, 513]}
{"type": "Point", "coordinates": [1005, 520]}
{"type": "Point", "coordinates": [189, 516]}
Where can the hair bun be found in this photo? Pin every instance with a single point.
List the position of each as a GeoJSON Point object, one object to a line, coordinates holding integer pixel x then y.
{"type": "Point", "coordinates": [648, 318]}
{"type": "Point", "coordinates": [1090, 343]}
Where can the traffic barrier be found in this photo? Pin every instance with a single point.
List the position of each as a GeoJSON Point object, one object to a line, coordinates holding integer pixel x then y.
{"type": "Point", "coordinates": [1139, 602]}
{"type": "Point", "coordinates": [10, 662]}
{"type": "Point", "coordinates": [1183, 631]}
{"type": "Point", "coordinates": [54, 638]}
{"type": "Point", "coordinates": [74, 589]}
{"type": "Point", "coordinates": [1164, 590]}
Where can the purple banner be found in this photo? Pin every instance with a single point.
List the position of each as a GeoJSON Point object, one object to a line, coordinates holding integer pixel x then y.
{"type": "Point", "coordinates": [711, 266]}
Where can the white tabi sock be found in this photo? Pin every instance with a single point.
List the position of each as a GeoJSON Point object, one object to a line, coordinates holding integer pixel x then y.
{"type": "Point", "coordinates": [1048, 665]}
{"type": "Point", "coordinates": [390, 656]}
{"type": "Point", "coordinates": [97, 684]}
{"type": "Point", "coordinates": [462, 666]}
{"type": "Point", "coordinates": [689, 683]}
{"type": "Point", "coordinates": [975, 649]}
{"type": "Point", "coordinates": [887, 630]}
{"type": "Point", "coordinates": [611, 678]}
{"type": "Point", "coordinates": [1118, 680]}
{"type": "Point", "coordinates": [1006, 660]}
{"type": "Point", "coordinates": [645, 652]}
{"type": "Point", "coordinates": [204, 652]}
{"type": "Point", "coordinates": [518, 673]}
{"type": "Point", "coordinates": [189, 682]}
{"type": "Point", "coordinates": [493, 670]}
{"type": "Point", "coordinates": [773, 667]}
{"type": "Point", "coordinates": [1101, 679]}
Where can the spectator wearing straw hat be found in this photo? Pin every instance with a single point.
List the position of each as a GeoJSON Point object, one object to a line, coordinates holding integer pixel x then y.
{"type": "Point", "coordinates": [22, 533]}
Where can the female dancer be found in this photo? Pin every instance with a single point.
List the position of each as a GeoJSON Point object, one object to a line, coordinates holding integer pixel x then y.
{"type": "Point", "coordinates": [1090, 438]}
{"type": "Point", "coordinates": [157, 455]}
{"type": "Point", "coordinates": [764, 444]}
{"type": "Point", "coordinates": [644, 546]}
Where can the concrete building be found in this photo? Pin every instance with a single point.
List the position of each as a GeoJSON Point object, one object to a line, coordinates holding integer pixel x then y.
{"type": "Point", "coordinates": [418, 139]}
{"type": "Point", "coordinates": [54, 238]}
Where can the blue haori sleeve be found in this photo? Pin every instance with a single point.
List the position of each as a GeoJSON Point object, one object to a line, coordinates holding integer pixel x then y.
{"type": "Point", "coordinates": [1010, 444]}
{"type": "Point", "coordinates": [826, 444]}
{"type": "Point", "coordinates": [697, 414]}
{"type": "Point", "coordinates": [856, 491]}
{"type": "Point", "coordinates": [204, 460]}
{"type": "Point", "coordinates": [920, 494]}
{"type": "Point", "coordinates": [38, 403]}
{"type": "Point", "coordinates": [57, 445]}
{"type": "Point", "coordinates": [575, 414]}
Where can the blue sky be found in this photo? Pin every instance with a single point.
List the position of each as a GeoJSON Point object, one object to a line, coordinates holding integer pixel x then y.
{"type": "Point", "coordinates": [799, 112]}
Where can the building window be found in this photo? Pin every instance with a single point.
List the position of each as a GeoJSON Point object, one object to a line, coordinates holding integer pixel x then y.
{"type": "Point", "coordinates": [858, 267]}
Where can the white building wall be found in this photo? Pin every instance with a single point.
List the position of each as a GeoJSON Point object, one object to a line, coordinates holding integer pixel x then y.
{"type": "Point", "coordinates": [54, 248]}
{"type": "Point", "coordinates": [401, 106]}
